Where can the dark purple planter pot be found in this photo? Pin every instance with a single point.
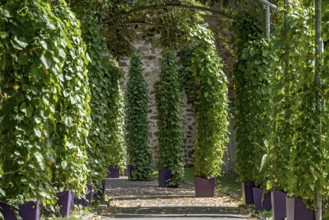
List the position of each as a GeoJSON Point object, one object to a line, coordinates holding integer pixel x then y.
{"type": "Point", "coordinates": [204, 187]}
{"type": "Point", "coordinates": [7, 211]}
{"type": "Point", "coordinates": [30, 210]}
{"type": "Point", "coordinates": [164, 177]}
{"type": "Point", "coordinates": [247, 194]}
{"type": "Point", "coordinates": [297, 210]}
{"type": "Point", "coordinates": [87, 200]}
{"type": "Point", "coordinates": [278, 200]}
{"type": "Point", "coordinates": [129, 170]}
{"type": "Point", "coordinates": [27, 211]}
{"type": "Point", "coordinates": [113, 172]}
{"type": "Point", "coordinates": [259, 204]}
{"type": "Point", "coordinates": [65, 202]}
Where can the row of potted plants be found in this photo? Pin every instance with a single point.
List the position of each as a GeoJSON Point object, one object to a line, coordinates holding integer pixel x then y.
{"type": "Point", "coordinates": [32, 210]}
{"type": "Point", "coordinates": [282, 150]}
{"type": "Point", "coordinates": [282, 206]}
{"type": "Point", "coordinates": [44, 104]}
{"type": "Point", "coordinates": [45, 110]}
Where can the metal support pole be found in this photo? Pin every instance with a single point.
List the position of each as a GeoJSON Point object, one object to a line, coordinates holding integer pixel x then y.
{"type": "Point", "coordinates": [268, 21]}
{"type": "Point", "coordinates": [317, 82]}
{"type": "Point", "coordinates": [269, 4]}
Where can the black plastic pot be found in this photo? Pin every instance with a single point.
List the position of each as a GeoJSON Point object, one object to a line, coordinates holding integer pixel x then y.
{"type": "Point", "coordinates": [247, 195]}
{"type": "Point", "coordinates": [260, 203]}
{"type": "Point", "coordinates": [204, 187]}
{"type": "Point", "coordinates": [65, 202]}
{"type": "Point", "coordinates": [164, 177]}
{"type": "Point", "coordinates": [278, 200]}
{"type": "Point", "coordinates": [113, 172]}
{"type": "Point", "coordinates": [296, 210]}
{"type": "Point", "coordinates": [88, 198]}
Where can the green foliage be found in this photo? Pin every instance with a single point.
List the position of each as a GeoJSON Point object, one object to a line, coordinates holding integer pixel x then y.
{"type": "Point", "coordinates": [211, 105]}
{"type": "Point", "coordinates": [252, 108]}
{"type": "Point", "coordinates": [251, 80]}
{"type": "Point", "coordinates": [138, 147]}
{"type": "Point", "coordinates": [44, 101]}
{"type": "Point", "coordinates": [298, 154]}
{"type": "Point", "coordinates": [170, 121]}
{"type": "Point", "coordinates": [73, 111]}
{"type": "Point", "coordinates": [106, 135]}
{"type": "Point", "coordinates": [185, 75]}
{"type": "Point", "coordinates": [117, 147]}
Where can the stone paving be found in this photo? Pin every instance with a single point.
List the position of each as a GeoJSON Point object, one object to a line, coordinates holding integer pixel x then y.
{"type": "Point", "coordinates": [136, 199]}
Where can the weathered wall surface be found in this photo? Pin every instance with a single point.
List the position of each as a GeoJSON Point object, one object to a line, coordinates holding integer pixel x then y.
{"type": "Point", "coordinates": [151, 65]}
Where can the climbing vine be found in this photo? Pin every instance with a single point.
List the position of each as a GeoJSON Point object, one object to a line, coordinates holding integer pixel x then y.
{"type": "Point", "coordinates": [296, 141]}
{"type": "Point", "coordinates": [252, 109]}
{"type": "Point", "coordinates": [73, 118]}
{"type": "Point", "coordinates": [106, 134]}
{"type": "Point", "coordinates": [211, 105]}
{"type": "Point", "coordinates": [251, 81]}
{"type": "Point", "coordinates": [138, 147]}
{"type": "Point", "coordinates": [170, 124]}
{"type": "Point", "coordinates": [37, 110]}
{"type": "Point", "coordinates": [185, 75]}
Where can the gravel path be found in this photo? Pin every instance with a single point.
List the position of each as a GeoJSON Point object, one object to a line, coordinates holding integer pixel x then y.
{"type": "Point", "coordinates": [145, 199]}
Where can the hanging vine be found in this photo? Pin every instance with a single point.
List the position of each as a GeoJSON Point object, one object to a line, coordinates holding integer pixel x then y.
{"type": "Point", "coordinates": [138, 147]}
{"type": "Point", "coordinates": [170, 121]}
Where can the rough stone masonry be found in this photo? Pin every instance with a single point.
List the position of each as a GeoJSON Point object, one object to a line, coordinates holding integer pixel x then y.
{"type": "Point", "coordinates": [151, 64]}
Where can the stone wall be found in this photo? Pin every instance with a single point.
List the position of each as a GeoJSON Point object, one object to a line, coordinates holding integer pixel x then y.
{"type": "Point", "coordinates": [151, 65]}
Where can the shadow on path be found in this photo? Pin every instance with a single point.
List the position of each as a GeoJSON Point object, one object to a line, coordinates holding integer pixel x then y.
{"type": "Point", "coordinates": [146, 200]}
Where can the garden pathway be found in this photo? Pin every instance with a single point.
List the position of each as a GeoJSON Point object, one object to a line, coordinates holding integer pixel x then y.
{"type": "Point", "coordinates": [136, 199]}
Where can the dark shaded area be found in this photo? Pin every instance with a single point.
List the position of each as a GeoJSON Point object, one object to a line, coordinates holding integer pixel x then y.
{"type": "Point", "coordinates": [188, 211]}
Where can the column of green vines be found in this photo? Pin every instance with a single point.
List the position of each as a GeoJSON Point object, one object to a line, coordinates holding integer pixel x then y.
{"type": "Point", "coordinates": [252, 98]}
{"type": "Point", "coordinates": [211, 105]}
{"type": "Point", "coordinates": [299, 156]}
{"type": "Point", "coordinates": [73, 111]}
{"type": "Point", "coordinates": [106, 135]}
{"type": "Point", "coordinates": [170, 121]}
{"type": "Point", "coordinates": [42, 101]}
{"type": "Point", "coordinates": [252, 122]}
{"type": "Point", "coordinates": [138, 146]}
